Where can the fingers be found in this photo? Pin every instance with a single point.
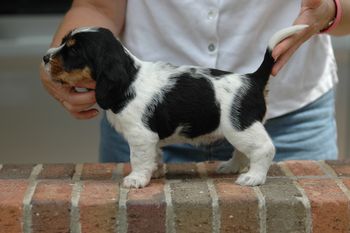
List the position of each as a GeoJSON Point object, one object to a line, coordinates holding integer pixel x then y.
{"type": "Point", "coordinates": [78, 104]}
{"type": "Point", "coordinates": [76, 108]}
{"type": "Point", "coordinates": [85, 115]}
{"type": "Point", "coordinates": [89, 85]}
{"type": "Point", "coordinates": [78, 98]}
{"type": "Point", "coordinates": [315, 13]}
{"type": "Point", "coordinates": [286, 49]}
{"type": "Point", "coordinates": [283, 59]}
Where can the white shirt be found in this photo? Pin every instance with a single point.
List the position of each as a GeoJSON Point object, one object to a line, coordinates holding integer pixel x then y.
{"type": "Point", "coordinates": [231, 35]}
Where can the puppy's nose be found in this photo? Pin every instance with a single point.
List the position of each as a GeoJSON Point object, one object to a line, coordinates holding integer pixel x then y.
{"type": "Point", "coordinates": [46, 58]}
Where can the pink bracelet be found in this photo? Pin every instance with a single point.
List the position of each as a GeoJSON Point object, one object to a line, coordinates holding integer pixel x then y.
{"type": "Point", "coordinates": [338, 15]}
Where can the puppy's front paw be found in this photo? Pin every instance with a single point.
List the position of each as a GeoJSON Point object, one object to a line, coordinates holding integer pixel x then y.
{"type": "Point", "coordinates": [136, 180]}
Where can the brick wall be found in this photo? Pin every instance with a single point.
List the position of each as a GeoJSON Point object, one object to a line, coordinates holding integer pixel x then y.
{"type": "Point", "coordinates": [299, 196]}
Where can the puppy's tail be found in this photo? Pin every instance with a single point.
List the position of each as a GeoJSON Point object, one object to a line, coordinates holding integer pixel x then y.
{"type": "Point", "coordinates": [263, 72]}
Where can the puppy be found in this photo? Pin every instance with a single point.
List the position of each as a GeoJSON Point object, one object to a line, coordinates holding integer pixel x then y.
{"type": "Point", "coordinates": [153, 104]}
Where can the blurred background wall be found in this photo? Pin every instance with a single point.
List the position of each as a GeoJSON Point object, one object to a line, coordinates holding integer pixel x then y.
{"type": "Point", "coordinates": [35, 128]}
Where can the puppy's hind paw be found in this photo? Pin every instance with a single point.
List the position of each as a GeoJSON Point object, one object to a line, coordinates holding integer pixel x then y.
{"type": "Point", "coordinates": [159, 173]}
{"type": "Point", "coordinates": [249, 179]}
{"type": "Point", "coordinates": [228, 167]}
{"type": "Point", "coordinates": [135, 180]}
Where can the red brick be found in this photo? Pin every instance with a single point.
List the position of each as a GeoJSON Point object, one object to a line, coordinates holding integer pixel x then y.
{"type": "Point", "coordinates": [57, 171]}
{"type": "Point", "coordinates": [51, 206]}
{"type": "Point", "coordinates": [342, 168]}
{"type": "Point", "coordinates": [305, 168]}
{"type": "Point", "coordinates": [239, 208]}
{"type": "Point", "coordinates": [146, 208]}
{"type": "Point", "coordinates": [181, 171]}
{"type": "Point", "coordinates": [98, 171]}
{"type": "Point", "coordinates": [16, 171]}
{"type": "Point", "coordinates": [99, 206]}
{"type": "Point", "coordinates": [329, 205]}
{"type": "Point", "coordinates": [346, 181]}
{"type": "Point", "coordinates": [127, 169]}
{"type": "Point", "coordinates": [11, 205]}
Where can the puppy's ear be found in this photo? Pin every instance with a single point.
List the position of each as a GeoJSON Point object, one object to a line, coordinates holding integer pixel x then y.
{"type": "Point", "coordinates": [114, 71]}
{"type": "Point", "coordinates": [111, 84]}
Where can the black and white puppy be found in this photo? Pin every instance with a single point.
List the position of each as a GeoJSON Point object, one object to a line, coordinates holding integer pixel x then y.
{"type": "Point", "coordinates": [153, 104]}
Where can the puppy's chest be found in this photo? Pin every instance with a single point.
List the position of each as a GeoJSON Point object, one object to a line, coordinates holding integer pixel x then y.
{"type": "Point", "coordinates": [131, 116]}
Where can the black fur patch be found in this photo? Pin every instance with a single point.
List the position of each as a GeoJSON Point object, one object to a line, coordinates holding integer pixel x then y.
{"type": "Point", "coordinates": [190, 103]}
{"type": "Point", "coordinates": [218, 73]}
{"type": "Point", "coordinates": [249, 105]}
{"type": "Point", "coordinates": [111, 66]}
{"type": "Point", "coordinates": [113, 69]}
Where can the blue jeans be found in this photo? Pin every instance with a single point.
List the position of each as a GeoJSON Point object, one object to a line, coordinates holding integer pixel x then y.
{"type": "Point", "coordinates": [307, 133]}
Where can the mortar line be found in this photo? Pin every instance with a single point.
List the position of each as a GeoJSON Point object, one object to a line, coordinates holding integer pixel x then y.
{"type": "Point", "coordinates": [78, 172]}
{"type": "Point", "coordinates": [215, 206]}
{"type": "Point", "coordinates": [75, 226]}
{"type": "Point", "coordinates": [202, 170]}
{"type": "Point", "coordinates": [286, 170]}
{"type": "Point", "coordinates": [262, 209]}
{"type": "Point", "coordinates": [117, 173]}
{"type": "Point", "coordinates": [27, 207]}
{"type": "Point", "coordinates": [122, 224]}
{"type": "Point", "coordinates": [304, 199]}
{"type": "Point", "coordinates": [170, 213]}
{"type": "Point", "coordinates": [329, 170]}
{"type": "Point", "coordinates": [307, 205]}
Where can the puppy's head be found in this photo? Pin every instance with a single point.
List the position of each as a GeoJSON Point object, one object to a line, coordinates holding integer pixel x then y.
{"type": "Point", "coordinates": [92, 54]}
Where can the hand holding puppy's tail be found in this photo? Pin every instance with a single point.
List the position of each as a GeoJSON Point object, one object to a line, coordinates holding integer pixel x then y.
{"type": "Point", "coordinates": [263, 72]}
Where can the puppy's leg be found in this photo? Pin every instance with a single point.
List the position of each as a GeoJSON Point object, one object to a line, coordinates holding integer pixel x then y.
{"type": "Point", "coordinates": [234, 165]}
{"type": "Point", "coordinates": [143, 163]}
{"type": "Point", "coordinates": [256, 144]}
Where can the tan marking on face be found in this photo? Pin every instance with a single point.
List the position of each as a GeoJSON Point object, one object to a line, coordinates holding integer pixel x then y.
{"type": "Point", "coordinates": [70, 42]}
{"type": "Point", "coordinates": [56, 68]}
{"type": "Point", "coordinates": [72, 77]}
{"type": "Point", "coordinates": [76, 76]}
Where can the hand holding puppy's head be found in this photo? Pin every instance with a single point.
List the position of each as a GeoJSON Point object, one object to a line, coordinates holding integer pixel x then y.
{"type": "Point", "coordinates": [92, 54]}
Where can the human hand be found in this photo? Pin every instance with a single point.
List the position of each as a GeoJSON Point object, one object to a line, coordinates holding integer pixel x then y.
{"type": "Point", "coordinates": [78, 104]}
{"type": "Point", "coordinates": [315, 13]}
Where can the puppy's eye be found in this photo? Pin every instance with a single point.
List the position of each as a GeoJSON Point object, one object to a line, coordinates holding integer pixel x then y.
{"type": "Point", "coordinates": [72, 51]}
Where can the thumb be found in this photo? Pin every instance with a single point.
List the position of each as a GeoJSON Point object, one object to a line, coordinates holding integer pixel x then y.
{"type": "Point", "coordinates": [310, 4]}
{"type": "Point", "coordinates": [91, 84]}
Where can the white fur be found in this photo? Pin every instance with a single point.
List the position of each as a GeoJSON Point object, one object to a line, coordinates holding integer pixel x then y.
{"type": "Point", "coordinates": [284, 33]}
{"type": "Point", "coordinates": [153, 79]}
{"type": "Point", "coordinates": [84, 29]}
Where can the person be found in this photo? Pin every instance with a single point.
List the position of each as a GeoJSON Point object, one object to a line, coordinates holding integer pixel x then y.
{"type": "Point", "coordinates": [229, 35]}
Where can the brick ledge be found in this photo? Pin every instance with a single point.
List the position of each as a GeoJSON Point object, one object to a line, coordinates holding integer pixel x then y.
{"type": "Point", "coordinates": [299, 196]}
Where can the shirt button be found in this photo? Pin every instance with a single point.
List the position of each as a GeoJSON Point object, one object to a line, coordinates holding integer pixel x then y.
{"type": "Point", "coordinates": [211, 14]}
{"type": "Point", "coordinates": [211, 47]}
